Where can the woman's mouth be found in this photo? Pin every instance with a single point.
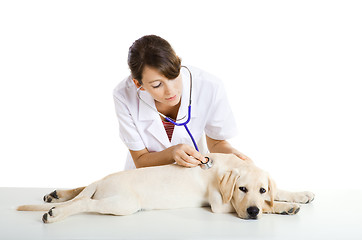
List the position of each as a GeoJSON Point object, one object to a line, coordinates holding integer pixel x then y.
{"type": "Point", "coordinates": [171, 98]}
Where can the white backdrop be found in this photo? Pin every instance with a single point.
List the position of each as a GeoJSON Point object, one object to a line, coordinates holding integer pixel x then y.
{"type": "Point", "coordinates": [292, 70]}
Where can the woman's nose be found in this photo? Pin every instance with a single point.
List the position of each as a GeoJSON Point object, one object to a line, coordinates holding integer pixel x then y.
{"type": "Point", "coordinates": [168, 89]}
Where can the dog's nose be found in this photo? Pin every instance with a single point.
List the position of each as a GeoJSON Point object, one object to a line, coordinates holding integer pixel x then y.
{"type": "Point", "coordinates": [253, 212]}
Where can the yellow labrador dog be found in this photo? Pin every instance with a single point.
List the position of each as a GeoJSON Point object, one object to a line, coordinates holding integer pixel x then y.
{"type": "Point", "coordinates": [230, 185]}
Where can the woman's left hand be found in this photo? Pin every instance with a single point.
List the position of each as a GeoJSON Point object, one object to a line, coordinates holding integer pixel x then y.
{"type": "Point", "coordinates": [242, 156]}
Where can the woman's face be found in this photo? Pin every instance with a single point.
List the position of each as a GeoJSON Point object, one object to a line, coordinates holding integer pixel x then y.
{"type": "Point", "coordinates": [163, 90]}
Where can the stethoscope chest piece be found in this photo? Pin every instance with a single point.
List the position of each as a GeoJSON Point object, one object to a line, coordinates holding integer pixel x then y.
{"type": "Point", "coordinates": [208, 164]}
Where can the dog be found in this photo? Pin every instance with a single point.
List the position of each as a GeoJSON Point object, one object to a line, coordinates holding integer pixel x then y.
{"type": "Point", "coordinates": [231, 185]}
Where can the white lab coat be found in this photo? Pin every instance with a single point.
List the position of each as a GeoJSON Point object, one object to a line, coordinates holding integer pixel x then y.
{"type": "Point", "coordinates": [141, 127]}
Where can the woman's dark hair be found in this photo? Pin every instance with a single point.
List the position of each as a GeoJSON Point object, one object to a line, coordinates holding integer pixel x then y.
{"type": "Point", "coordinates": [155, 52]}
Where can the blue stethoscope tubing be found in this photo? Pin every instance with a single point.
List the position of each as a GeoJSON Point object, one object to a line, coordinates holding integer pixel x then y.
{"type": "Point", "coordinates": [185, 125]}
{"type": "Point", "coordinates": [174, 121]}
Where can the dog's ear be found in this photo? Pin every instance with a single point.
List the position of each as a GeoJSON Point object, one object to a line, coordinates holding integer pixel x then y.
{"type": "Point", "coordinates": [227, 182]}
{"type": "Point", "coordinates": [271, 191]}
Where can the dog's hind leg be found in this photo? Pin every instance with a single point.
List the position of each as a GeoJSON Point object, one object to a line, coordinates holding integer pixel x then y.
{"type": "Point", "coordinates": [117, 205]}
{"type": "Point", "coordinates": [86, 192]}
{"type": "Point", "coordinates": [62, 195]}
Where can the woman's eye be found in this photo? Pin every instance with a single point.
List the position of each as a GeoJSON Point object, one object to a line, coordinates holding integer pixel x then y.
{"type": "Point", "coordinates": [262, 190]}
{"type": "Point", "coordinates": [157, 85]}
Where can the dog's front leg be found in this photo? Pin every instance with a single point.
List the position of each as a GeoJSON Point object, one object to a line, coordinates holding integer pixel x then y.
{"type": "Point", "coordinates": [216, 202]}
{"type": "Point", "coordinates": [281, 208]}
{"type": "Point", "coordinates": [297, 197]}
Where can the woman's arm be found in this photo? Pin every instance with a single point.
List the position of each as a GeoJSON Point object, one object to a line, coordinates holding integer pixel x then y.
{"type": "Point", "coordinates": [223, 146]}
{"type": "Point", "coordinates": [182, 154]}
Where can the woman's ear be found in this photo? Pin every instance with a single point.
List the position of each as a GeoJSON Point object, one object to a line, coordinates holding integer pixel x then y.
{"type": "Point", "coordinates": [227, 183]}
{"type": "Point", "coordinates": [138, 85]}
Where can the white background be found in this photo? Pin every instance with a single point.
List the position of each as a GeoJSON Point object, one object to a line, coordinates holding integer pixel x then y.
{"type": "Point", "coordinates": [292, 71]}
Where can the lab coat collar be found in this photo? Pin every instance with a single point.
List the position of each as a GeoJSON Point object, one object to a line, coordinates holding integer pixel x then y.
{"type": "Point", "coordinates": [145, 112]}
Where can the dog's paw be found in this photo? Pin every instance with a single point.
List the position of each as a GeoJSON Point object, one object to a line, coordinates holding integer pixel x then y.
{"type": "Point", "coordinates": [304, 197]}
{"type": "Point", "coordinates": [51, 197]}
{"type": "Point", "coordinates": [291, 209]}
{"type": "Point", "coordinates": [47, 217]}
{"type": "Point", "coordinates": [53, 215]}
{"type": "Point", "coordinates": [285, 208]}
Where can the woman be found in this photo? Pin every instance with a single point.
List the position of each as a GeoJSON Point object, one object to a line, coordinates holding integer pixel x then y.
{"type": "Point", "coordinates": [158, 82]}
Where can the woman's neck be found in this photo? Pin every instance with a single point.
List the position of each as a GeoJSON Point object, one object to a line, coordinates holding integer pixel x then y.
{"type": "Point", "coordinates": [169, 111]}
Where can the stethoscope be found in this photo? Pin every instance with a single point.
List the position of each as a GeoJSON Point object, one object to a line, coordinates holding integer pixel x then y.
{"type": "Point", "coordinates": [209, 162]}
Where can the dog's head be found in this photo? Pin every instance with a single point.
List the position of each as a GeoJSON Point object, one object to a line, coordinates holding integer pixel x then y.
{"type": "Point", "coordinates": [248, 189]}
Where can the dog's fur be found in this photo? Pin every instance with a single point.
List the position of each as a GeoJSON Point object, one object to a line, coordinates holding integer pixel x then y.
{"type": "Point", "coordinates": [230, 185]}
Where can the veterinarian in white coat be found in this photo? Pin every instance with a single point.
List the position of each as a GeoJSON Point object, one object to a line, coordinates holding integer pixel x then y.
{"type": "Point", "coordinates": [165, 86]}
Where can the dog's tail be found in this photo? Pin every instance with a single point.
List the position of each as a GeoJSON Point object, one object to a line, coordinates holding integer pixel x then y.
{"type": "Point", "coordinates": [88, 192]}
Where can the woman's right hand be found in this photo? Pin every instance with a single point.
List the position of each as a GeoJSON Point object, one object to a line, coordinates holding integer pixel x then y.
{"type": "Point", "coordinates": [187, 156]}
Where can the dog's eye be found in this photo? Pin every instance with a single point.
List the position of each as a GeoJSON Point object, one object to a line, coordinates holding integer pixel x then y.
{"type": "Point", "coordinates": [262, 190]}
{"type": "Point", "coordinates": [243, 189]}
